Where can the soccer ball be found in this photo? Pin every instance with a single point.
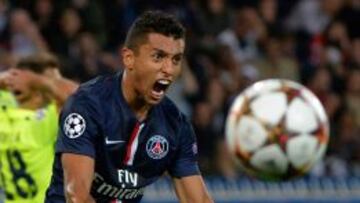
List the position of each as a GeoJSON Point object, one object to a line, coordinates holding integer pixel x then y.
{"type": "Point", "coordinates": [277, 130]}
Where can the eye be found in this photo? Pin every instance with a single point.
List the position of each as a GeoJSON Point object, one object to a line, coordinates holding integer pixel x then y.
{"type": "Point", "coordinates": [177, 59]}
{"type": "Point", "coordinates": [157, 57]}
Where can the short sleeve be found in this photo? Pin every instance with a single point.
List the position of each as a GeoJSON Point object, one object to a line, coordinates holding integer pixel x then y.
{"type": "Point", "coordinates": [185, 163]}
{"type": "Point", "coordinates": [78, 127]}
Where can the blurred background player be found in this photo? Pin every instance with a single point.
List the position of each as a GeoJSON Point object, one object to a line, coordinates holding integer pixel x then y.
{"type": "Point", "coordinates": [28, 125]}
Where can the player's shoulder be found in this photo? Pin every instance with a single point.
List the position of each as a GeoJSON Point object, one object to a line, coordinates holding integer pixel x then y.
{"type": "Point", "coordinates": [173, 119]}
{"type": "Point", "coordinates": [92, 98]}
{"type": "Point", "coordinates": [94, 90]}
{"type": "Point", "coordinates": [171, 111]}
{"type": "Point", "coordinates": [98, 86]}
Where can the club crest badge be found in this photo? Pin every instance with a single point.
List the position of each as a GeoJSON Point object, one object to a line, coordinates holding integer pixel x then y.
{"type": "Point", "coordinates": [157, 147]}
{"type": "Point", "coordinates": [40, 114]}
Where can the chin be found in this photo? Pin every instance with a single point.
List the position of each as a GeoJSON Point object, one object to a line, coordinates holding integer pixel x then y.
{"type": "Point", "coordinates": [152, 101]}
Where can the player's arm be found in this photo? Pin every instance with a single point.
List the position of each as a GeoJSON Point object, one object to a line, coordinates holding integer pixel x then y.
{"type": "Point", "coordinates": [77, 147]}
{"type": "Point", "coordinates": [58, 88]}
{"type": "Point", "coordinates": [191, 189]}
{"type": "Point", "coordinates": [78, 176]}
{"type": "Point", "coordinates": [3, 79]}
{"type": "Point", "coordinates": [50, 82]}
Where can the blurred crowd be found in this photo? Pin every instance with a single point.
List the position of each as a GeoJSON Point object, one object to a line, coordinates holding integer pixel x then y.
{"type": "Point", "coordinates": [230, 44]}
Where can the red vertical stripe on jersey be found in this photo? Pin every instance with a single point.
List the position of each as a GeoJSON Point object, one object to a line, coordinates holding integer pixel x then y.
{"type": "Point", "coordinates": [129, 145]}
{"type": "Point", "coordinates": [116, 201]}
{"type": "Point", "coordinates": [132, 144]}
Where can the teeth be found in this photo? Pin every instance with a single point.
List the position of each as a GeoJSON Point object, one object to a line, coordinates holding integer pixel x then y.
{"type": "Point", "coordinates": [164, 82]}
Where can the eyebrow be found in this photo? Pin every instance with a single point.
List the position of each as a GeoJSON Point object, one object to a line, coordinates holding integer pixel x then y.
{"type": "Point", "coordinates": [166, 53]}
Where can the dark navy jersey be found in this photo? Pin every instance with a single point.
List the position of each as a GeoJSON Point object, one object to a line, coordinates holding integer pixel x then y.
{"type": "Point", "coordinates": [129, 155]}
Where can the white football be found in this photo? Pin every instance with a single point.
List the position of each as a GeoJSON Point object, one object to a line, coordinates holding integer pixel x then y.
{"type": "Point", "coordinates": [277, 129]}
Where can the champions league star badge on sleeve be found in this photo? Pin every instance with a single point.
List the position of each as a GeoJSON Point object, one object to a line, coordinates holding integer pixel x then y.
{"type": "Point", "coordinates": [74, 125]}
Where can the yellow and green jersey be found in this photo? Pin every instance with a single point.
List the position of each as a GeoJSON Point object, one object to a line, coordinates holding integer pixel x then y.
{"type": "Point", "coordinates": [27, 140]}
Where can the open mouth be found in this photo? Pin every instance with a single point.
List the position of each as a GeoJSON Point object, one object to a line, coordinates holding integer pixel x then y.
{"type": "Point", "coordinates": [160, 87]}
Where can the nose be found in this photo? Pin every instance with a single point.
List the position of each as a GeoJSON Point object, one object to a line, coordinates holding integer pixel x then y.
{"type": "Point", "coordinates": [168, 67]}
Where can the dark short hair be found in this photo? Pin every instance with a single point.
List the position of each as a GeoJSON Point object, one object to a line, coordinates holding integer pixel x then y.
{"type": "Point", "coordinates": [153, 22]}
{"type": "Point", "coordinates": [38, 62]}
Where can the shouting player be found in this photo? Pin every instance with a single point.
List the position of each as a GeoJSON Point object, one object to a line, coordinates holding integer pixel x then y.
{"type": "Point", "coordinates": [120, 133]}
{"type": "Point", "coordinates": [28, 128]}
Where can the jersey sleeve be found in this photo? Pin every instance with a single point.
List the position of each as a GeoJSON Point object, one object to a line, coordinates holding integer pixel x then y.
{"type": "Point", "coordinates": [185, 163]}
{"type": "Point", "coordinates": [78, 127]}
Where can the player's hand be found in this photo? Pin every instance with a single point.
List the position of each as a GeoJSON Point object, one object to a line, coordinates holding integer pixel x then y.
{"type": "Point", "coordinates": [4, 79]}
{"type": "Point", "coordinates": [20, 79]}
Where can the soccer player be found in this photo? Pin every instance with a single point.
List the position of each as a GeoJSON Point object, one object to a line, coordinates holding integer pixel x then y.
{"type": "Point", "coordinates": [120, 133]}
{"type": "Point", "coordinates": [28, 127]}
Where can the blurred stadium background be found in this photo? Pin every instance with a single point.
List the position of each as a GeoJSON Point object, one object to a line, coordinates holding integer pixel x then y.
{"type": "Point", "coordinates": [230, 44]}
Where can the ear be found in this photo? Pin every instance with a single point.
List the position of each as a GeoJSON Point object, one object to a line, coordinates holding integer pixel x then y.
{"type": "Point", "coordinates": [127, 58]}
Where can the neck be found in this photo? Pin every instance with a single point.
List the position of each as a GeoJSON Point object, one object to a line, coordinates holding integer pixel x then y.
{"type": "Point", "coordinates": [33, 103]}
{"type": "Point", "coordinates": [135, 100]}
